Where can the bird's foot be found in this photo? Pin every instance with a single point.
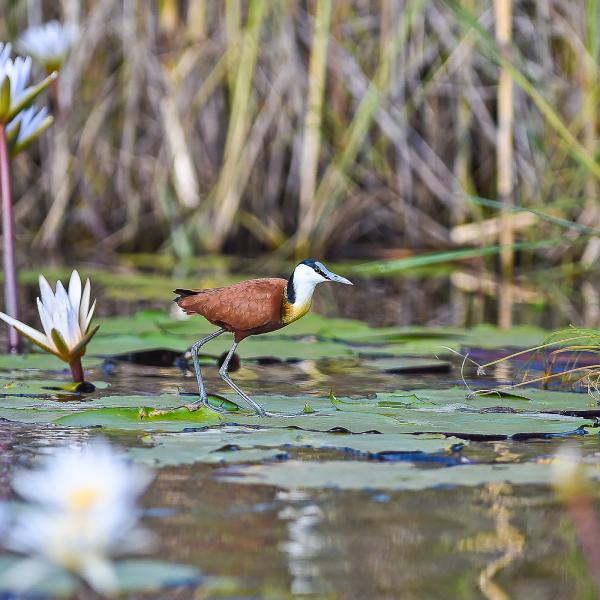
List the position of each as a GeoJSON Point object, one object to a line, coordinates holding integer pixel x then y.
{"type": "Point", "coordinates": [191, 407]}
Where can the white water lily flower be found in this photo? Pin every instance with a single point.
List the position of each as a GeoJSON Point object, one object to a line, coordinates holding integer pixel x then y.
{"type": "Point", "coordinates": [48, 44]}
{"type": "Point", "coordinates": [81, 511]}
{"type": "Point", "coordinates": [27, 126]}
{"type": "Point", "coordinates": [94, 478]}
{"type": "Point", "coordinates": [18, 71]}
{"type": "Point", "coordinates": [568, 473]}
{"type": "Point", "coordinates": [65, 317]}
{"type": "Point", "coordinates": [5, 50]}
{"type": "Point", "coordinates": [3, 518]}
{"type": "Point", "coordinates": [15, 92]}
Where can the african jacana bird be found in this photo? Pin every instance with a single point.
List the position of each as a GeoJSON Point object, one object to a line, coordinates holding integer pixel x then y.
{"type": "Point", "coordinates": [250, 308]}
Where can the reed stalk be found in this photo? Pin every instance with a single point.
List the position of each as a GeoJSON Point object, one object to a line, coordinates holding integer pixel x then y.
{"type": "Point", "coordinates": [589, 110]}
{"type": "Point", "coordinates": [11, 296]}
{"type": "Point", "coordinates": [312, 119]}
{"type": "Point", "coordinates": [332, 183]}
{"type": "Point", "coordinates": [226, 198]}
{"type": "Point", "coordinates": [505, 161]}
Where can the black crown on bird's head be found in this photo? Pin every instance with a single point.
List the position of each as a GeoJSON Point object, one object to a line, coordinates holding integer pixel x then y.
{"type": "Point", "coordinates": [315, 265]}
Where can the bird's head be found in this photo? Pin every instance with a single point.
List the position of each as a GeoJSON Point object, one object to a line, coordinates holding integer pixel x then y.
{"type": "Point", "coordinates": [305, 278]}
{"type": "Point", "coordinates": [311, 272]}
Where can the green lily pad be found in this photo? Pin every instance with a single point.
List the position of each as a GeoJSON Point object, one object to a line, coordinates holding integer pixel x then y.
{"type": "Point", "coordinates": [118, 412]}
{"type": "Point", "coordinates": [519, 400]}
{"type": "Point", "coordinates": [357, 475]}
{"type": "Point", "coordinates": [409, 413]}
{"type": "Point", "coordinates": [271, 346]}
{"type": "Point", "coordinates": [265, 346]}
{"type": "Point", "coordinates": [41, 361]}
{"type": "Point", "coordinates": [21, 386]}
{"type": "Point", "coordinates": [462, 421]}
{"type": "Point", "coordinates": [361, 333]}
{"type": "Point", "coordinates": [114, 345]}
{"type": "Point", "coordinates": [312, 337]}
{"type": "Point", "coordinates": [142, 575]}
{"type": "Point", "coordinates": [207, 446]}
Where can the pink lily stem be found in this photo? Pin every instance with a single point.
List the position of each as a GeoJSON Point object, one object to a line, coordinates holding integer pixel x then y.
{"type": "Point", "coordinates": [77, 370]}
{"type": "Point", "coordinates": [11, 296]}
{"type": "Point", "coordinates": [582, 513]}
{"type": "Point", "coordinates": [55, 99]}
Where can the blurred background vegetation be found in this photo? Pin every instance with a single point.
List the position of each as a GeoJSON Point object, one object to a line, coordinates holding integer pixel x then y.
{"type": "Point", "coordinates": [344, 129]}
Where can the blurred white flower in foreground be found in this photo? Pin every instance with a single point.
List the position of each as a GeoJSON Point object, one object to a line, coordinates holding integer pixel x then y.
{"type": "Point", "coordinates": [65, 317]}
{"type": "Point", "coordinates": [81, 510]}
{"type": "Point", "coordinates": [3, 518]}
{"type": "Point", "coordinates": [15, 92]}
{"type": "Point", "coordinates": [568, 475]}
{"type": "Point", "coordinates": [48, 44]}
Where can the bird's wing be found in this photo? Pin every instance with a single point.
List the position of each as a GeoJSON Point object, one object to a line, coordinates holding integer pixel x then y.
{"type": "Point", "coordinates": [245, 305]}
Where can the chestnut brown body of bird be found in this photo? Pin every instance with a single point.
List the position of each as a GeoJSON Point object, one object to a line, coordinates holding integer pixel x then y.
{"type": "Point", "coordinates": [246, 308]}
{"type": "Point", "coordinates": [251, 308]}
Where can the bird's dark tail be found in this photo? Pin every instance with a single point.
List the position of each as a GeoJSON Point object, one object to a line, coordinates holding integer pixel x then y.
{"type": "Point", "coordinates": [183, 294]}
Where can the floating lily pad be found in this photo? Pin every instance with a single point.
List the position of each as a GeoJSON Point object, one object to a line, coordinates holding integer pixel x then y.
{"type": "Point", "coordinates": [253, 348]}
{"type": "Point", "coordinates": [19, 387]}
{"type": "Point", "coordinates": [462, 421]}
{"type": "Point", "coordinates": [117, 412]}
{"type": "Point", "coordinates": [143, 575]}
{"type": "Point", "coordinates": [356, 475]}
{"type": "Point", "coordinates": [397, 414]}
{"type": "Point", "coordinates": [519, 400]}
{"type": "Point", "coordinates": [211, 445]}
{"type": "Point", "coordinates": [41, 361]}
{"type": "Point", "coordinates": [312, 337]}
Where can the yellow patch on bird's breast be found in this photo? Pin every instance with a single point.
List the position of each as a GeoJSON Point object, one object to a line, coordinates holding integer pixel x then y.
{"type": "Point", "coordinates": [292, 312]}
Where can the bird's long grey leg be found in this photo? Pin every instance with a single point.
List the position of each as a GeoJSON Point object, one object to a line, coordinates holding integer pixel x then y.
{"type": "Point", "coordinates": [259, 410]}
{"type": "Point", "coordinates": [203, 401]}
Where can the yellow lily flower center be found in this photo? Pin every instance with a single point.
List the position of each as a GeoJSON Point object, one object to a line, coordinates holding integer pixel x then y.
{"type": "Point", "coordinates": [83, 498]}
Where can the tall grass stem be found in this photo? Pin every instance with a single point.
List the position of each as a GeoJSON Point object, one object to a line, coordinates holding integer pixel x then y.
{"type": "Point", "coordinates": [11, 297]}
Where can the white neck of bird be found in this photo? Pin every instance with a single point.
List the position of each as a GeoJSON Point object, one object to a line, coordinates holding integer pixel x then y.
{"type": "Point", "coordinates": [301, 285]}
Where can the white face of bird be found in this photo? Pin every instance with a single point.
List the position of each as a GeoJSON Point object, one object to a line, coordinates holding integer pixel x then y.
{"type": "Point", "coordinates": [307, 275]}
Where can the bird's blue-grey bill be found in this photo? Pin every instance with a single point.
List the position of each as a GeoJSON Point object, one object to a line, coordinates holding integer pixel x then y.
{"type": "Point", "coordinates": [338, 278]}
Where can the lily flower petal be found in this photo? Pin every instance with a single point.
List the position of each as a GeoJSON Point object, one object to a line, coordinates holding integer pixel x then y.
{"type": "Point", "coordinates": [5, 50]}
{"type": "Point", "coordinates": [88, 319]}
{"type": "Point", "coordinates": [67, 322]}
{"type": "Point", "coordinates": [37, 337]}
{"type": "Point", "coordinates": [47, 294]}
{"type": "Point", "coordinates": [85, 305]}
{"type": "Point", "coordinates": [75, 291]}
{"type": "Point", "coordinates": [65, 318]}
{"type": "Point", "coordinates": [45, 319]}
{"type": "Point", "coordinates": [100, 575]}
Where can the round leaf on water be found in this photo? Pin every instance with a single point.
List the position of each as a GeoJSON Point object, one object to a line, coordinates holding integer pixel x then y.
{"type": "Point", "coordinates": [360, 475]}
{"type": "Point", "coordinates": [207, 446]}
{"type": "Point", "coordinates": [460, 419]}
{"type": "Point", "coordinates": [40, 361]}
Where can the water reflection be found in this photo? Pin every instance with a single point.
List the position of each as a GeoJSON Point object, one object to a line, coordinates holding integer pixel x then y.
{"type": "Point", "coordinates": [304, 543]}
{"type": "Point", "coordinates": [506, 539]}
